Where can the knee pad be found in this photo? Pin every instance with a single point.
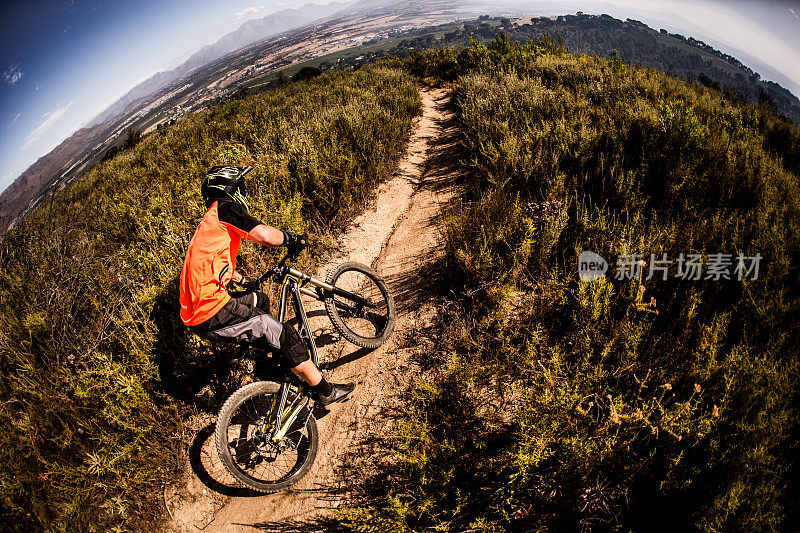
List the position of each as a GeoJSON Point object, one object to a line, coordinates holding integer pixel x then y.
{"type": "Point", "coordinates": [293, 350]}
{"type": "Point", "coordinates": [262, 301]}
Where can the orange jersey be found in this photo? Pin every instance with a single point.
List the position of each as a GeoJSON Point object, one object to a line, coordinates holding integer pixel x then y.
{"type": "Point", "coordinates": [208, 268]}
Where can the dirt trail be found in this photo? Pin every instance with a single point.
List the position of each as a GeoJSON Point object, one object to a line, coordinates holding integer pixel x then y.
{"type": "Point", "coordinates": [398, 237]}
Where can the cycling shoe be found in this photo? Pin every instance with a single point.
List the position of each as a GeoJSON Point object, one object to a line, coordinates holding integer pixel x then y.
{"type": "Point", "coordinates": [339, 393]}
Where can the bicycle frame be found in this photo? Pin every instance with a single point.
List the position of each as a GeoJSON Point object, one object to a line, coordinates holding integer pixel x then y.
{"type": "Point", "coordinates": [293, 285]}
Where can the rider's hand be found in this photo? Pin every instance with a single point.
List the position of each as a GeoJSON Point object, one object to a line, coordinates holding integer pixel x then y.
{"type": "Point", "coordinates": [249, 284]}
{"type": "Point", "coordinates": [294, 243]}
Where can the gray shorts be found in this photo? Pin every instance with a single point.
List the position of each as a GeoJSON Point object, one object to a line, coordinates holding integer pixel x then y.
{"type": "Point", "coordinates": [246, 320]}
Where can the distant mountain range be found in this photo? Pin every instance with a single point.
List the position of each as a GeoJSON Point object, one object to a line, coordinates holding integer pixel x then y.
{"type": "Point", "coordinates": [250, 32]}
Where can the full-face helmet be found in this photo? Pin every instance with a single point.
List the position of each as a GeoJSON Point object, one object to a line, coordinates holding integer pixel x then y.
{"type": "Point", "coordinates": [225, 183]}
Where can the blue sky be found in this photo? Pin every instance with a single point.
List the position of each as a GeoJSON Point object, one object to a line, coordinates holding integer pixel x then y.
{"type": "Point", "coordinates": [63, 62]}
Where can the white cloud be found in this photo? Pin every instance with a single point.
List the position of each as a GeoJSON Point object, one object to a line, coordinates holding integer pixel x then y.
{"type": "Point", "coordinates": [248, 11]}
{"type": "Point", "coordinates": [49, 120]}
{"type": "Point", "coordinates": [12, 74]}
{"type": "Point", "coordinates": [15, 119]}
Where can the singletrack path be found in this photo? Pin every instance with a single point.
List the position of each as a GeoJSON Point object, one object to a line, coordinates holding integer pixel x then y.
{"type": "Point", "coordinates": [398, 237]}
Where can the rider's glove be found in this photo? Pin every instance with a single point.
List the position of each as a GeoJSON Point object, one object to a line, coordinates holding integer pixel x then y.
{"type": "Point", "coordinates": [294, 243]}
{"type": "Point", "coordinates": [249, 284]}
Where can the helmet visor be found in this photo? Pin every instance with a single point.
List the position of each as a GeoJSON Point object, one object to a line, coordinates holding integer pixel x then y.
{"type": "Point", "coordinates": [243, 171]}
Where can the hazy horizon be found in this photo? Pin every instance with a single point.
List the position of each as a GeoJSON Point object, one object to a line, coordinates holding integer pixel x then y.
{"type": "Point", "coordinates": [64, 63]}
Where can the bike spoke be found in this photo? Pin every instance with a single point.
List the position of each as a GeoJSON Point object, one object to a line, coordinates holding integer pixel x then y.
{"type": "Point", "coordinates": [363, 322]}
{"type": "Point", "coordinates": [378, 320]}
{"type": "Point", "coordinates": [251, 449]}
{"type": "Point", "coordinates": [279, 466]}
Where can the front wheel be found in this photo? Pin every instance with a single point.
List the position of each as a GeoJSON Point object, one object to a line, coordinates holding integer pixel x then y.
{"type": "Point", "coordinates": [366, 325]}
{"type": "Point", "coordinates": [244, 445]}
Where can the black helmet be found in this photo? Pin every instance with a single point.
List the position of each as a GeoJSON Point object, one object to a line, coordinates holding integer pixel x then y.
{"type": "Point", "coordinates": [225, 183]}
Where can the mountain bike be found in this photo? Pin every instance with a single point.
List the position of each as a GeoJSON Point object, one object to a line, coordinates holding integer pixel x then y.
{"type": "Point", "coordinates": [266, 432]}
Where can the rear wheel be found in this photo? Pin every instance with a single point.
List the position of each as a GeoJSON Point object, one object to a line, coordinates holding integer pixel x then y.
{"type": "Point", "coordinates": [364, 325]}
{"type": "Point", "coordinates": [244, 445]}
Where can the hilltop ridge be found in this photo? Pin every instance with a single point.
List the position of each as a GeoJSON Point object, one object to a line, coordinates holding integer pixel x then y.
{"type": "Point", "coordinates": [377, 27]}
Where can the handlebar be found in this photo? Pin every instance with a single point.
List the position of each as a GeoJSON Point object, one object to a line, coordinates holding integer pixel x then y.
{"type": "Point", "coordinates": [276, 270]}
{"type": "Point", "coordinates": [292, 255]}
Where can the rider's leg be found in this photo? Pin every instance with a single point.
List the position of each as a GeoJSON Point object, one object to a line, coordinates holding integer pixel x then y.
{"type": "Point", "coordinates": [262, 301]}
{"type": "Point", "coordinates": [295, 353]}
{"type": "Point", "coordinates": [308, 372]}
{"type": "Point", "coordinates": [246, 320]}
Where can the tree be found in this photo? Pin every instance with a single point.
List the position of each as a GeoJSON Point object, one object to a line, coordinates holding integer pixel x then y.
{"type": "Point", "coordinates": [306, 73]}
{"type": "Point", "coordinates": [132, 138]}
{"type": "Point", "coordinates": [281, 78]}
{"type": "Point", "coordinates": [765, 99]}
{"type": "Point", "coordinates": [240, 93]}
{"type": "Point", "coordinates": [708, 81]}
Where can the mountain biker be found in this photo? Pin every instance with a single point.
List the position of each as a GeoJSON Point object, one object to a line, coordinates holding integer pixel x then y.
{"type": "Point", "coordinates": [207, 308]}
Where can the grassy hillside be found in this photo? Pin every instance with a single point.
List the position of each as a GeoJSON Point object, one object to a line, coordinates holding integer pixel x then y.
{"type": "Point", "coordinates": [97, 371]}
{"type": "Point", "coordinates": [623, 404]}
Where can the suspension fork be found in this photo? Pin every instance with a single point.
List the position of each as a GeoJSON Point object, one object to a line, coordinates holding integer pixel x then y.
{"type": "Point", "coordinates": [282, 417]}
{"type": "Point", "coordinates": [276, 411]}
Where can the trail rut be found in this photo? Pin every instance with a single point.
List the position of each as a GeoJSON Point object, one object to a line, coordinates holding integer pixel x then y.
{"type": "Point", "coordinates": [398, 237]}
